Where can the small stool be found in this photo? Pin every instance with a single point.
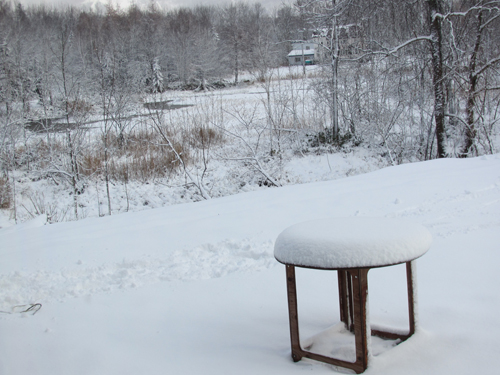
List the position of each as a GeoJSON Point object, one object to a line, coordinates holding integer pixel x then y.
{"type": "Point", "coordinates": [351, 246]}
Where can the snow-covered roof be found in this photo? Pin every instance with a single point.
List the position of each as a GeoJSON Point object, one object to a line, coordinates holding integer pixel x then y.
{"type": "Point", "coordinates": [299, 52]}
{"type": "Point", "coordinates": [352, 242]}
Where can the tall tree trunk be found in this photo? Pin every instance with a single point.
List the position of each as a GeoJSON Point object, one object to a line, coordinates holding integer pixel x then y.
{"type": "Point", "coordinates": [470, 130]}
{"type": "Point", "coordinates": [74, 166]}
{"type": "Point", "coordinates": [437, 75]}
{"type": "Point", "coordinates": [335, 63]}
{"type": "Point", "coordinates": [64, 40]}
{"type": "Point", "coordinates": [236, 62]}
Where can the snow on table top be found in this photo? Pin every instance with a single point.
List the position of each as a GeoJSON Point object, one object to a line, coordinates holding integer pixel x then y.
{"type": "Point", "coordinates": [351, 243]}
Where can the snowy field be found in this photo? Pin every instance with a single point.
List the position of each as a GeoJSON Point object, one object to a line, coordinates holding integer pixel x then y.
{"type": "Point", "coordinates": [194, 288]}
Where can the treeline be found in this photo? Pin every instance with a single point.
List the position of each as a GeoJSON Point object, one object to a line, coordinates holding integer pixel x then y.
{"type": "Point", "coordinates": [147, 48]}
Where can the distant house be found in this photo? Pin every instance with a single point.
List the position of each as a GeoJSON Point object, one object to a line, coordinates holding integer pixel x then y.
{"type": "Point", "coordinates": [349, 38]}
{"type": "Point", "coordinates": [302, 53]}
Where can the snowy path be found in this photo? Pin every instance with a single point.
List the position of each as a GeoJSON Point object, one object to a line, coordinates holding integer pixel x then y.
{"type": "Point", "coordinates": [194, 288]}
{"type": "Point", "coordinates": [202, 262]}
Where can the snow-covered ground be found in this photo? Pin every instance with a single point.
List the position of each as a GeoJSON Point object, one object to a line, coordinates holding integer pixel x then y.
{"type": "Point", "coordinates": [194, 288]}
{"type": "Point", "coordinates": [138, 196]}
{"type": "Point", "coordinates": [222, 171]}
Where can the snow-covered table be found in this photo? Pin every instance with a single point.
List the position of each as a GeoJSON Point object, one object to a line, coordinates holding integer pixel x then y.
{"type": "Point", "coordinates": [351, 246]}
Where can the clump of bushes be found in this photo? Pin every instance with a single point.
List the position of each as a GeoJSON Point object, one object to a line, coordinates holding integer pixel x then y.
{"type": "Point", "coordinates": [327, 137]}
{"type": "Point", "coordinates": [143, 158]}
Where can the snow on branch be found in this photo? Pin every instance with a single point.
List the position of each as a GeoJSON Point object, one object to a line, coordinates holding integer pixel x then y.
{"type": "Point", "coordinates": [456, 118]}
{"type": "Point", "coordinates": [408, 42]}
{"type": "Point", "coordinates": [157, 123]}
{"type": "Point", "coordinates": [253, 158]}
{"type": "Point", "coordinates": [464, 14]}
{"type": "Point", "coordinates": [486, 89]}
{"type": "Point", "coordinates": [486, 66]}
{"type": "Point", "coordinates": [386, 52]}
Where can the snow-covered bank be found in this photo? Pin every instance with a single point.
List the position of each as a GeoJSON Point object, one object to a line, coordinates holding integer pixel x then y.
{"type": "Point", "coordinates": [194, 288]}
{"type": "Point", "coordinates": [223, 179]}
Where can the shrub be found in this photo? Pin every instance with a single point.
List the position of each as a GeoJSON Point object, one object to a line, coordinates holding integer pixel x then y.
{"type": "Point", "coordinates": [5, 193]}
{"type": "Point", "coordinates": [328, 138]}
{"type": "Point", "coordinates": [144, 158]}
{"type": "Point", "coordinates": [79, 106]}
{"type": "Point", "coordinates": [203, 137]}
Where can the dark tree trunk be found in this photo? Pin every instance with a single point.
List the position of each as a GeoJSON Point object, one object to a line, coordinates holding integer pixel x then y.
{"type": "Point", "coordinates": [437, 75]}
{"type": "Point", "coordinates": [470, 130]}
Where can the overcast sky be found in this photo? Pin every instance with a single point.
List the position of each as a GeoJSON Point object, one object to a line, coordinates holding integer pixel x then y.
{"type": "Point", "coordinates": [165, 4]}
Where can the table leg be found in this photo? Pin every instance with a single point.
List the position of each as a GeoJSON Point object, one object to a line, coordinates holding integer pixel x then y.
{"type": "Point", "coordinates": [359, 277]}
{"type": "Point", "coordinates": [411, 281]}
{"type": "Point", "coordinates": [412, 308]}
{"type": "Point", "coordinates": [292, 313]}
{"type": "Point", "coordinates": [344, 298]}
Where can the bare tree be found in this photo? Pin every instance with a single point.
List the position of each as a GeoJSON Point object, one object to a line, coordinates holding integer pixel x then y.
{"type": "Point", "coordinates": [474, 26]}
{"type": "Point", "coordinates": [436, 43]}
{"type": "Point", "coordinates": [161, 126]}
{"type": "Point", "coordinates": [235, 30]}
{"type": "Point", "coordinates": [74, 108]}
{"type": "Point", "coordinates": [327, 17]}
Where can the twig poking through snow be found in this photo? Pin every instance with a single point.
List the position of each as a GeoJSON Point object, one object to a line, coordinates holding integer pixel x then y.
{"type": "Point", "coordinates": [20, 309]}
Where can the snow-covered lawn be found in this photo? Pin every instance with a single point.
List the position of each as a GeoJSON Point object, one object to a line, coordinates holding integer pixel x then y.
{"type": "Point", "coordinates": [194, 288]}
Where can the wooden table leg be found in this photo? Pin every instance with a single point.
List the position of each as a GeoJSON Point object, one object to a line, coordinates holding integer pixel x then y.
{"type": "Point", "coordinates": [344, 298]}
{"type": "Point", "coordinates": [412, 307]}
{"type": "Point", "coordinates": [411, 281]}
{"type": "Point", "coordinates": [359, 277]}
{"type": "Point", "coordinates": [292, 313]}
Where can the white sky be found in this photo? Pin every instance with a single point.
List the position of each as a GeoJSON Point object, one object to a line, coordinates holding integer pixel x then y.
{"type": "Point", "coordinates": [165, 4]}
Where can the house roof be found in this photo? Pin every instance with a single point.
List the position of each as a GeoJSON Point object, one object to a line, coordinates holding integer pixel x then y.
{"type": "Point", "coordinates": [299, 52]}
